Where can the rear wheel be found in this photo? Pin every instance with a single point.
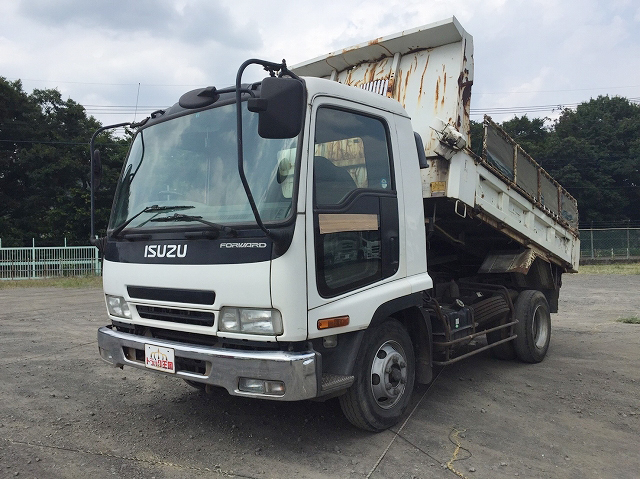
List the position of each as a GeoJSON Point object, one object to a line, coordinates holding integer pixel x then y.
{"type": "Point", "coordinates": [505, 351]}
{"type": "Point", "coordinates": [385, 374]}
{"type": "Point", "coordinates": [533, 327]}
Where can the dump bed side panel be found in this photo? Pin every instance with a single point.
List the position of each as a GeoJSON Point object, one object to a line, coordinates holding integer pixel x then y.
{"type": "Point", "coordinates": [507, 189]}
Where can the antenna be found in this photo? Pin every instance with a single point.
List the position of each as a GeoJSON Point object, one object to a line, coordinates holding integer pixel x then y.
{"type": "Point", "coordinates": [135, 112]}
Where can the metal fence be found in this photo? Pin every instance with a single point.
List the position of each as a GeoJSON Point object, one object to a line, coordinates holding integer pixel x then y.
{"type": "Point", "coordinates": [49, 262]}
{"type": "Point", "coordinates": [55, 261]}
{"type": "Point", "coordinates": [610, 243]}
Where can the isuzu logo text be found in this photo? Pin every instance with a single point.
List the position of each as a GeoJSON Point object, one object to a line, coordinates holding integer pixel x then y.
{"type": "Point", "coordinates": [243, 245]}
{"type": "Point", "coordinates": [165, 251]}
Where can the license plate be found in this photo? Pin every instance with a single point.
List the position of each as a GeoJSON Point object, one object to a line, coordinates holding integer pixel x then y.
{"type": "Point", "coordinates": [161, 359]}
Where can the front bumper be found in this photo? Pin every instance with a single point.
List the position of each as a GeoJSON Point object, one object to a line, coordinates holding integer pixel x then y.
{"type": "Point", "coordinates": [223, 367]}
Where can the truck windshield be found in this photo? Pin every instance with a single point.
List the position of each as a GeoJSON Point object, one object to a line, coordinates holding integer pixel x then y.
{"type": "Point", "coordinates": [192, 161]}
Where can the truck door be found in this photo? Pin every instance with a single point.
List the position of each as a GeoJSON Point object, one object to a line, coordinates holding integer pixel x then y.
{"type": "Point", "coordinates": [355, 204]}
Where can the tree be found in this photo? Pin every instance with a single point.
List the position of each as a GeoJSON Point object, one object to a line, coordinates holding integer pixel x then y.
{"type": "Point", "coordinates": [19, 120]}
{"type": "Point", "coordinates": [530, 134]}
{"type": "Point", "coordinates": [594, 152]}
{"type": "Point", "coordinates": [44, 168]}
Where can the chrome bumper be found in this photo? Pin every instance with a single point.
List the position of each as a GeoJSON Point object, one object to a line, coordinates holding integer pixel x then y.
{"type": "Point", "coordinates": [224, 367]}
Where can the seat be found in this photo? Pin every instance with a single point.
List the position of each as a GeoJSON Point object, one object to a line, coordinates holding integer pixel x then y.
{"type": "Point", "coordinates": [332, 183]}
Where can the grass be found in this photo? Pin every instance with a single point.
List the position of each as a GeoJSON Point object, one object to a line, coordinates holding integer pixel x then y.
{"type": "Point", "coordinates": [96, 281]}
{"type": "Point", "coordinates": [616, 268]}
{"type": "Point", "coordinates": [65, 282]}
{"type": "Point", "coordinates": [630, 320]}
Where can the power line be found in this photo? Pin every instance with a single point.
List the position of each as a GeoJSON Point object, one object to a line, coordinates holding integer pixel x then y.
{"type": "Point", "coordinates": [533, 108]}
{"type": "Point", "coordinates": [556, 91]}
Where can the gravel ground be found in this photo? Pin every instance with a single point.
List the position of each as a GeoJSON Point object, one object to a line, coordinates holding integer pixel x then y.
{"type": "Point", "coordinates": [66, 414]}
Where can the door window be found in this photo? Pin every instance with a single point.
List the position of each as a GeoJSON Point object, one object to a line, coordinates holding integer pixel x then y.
{"type": "Point", "coordinates": [352, 175]}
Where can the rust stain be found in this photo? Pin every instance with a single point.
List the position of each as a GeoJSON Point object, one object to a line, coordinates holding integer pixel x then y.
{"type": "Point", "coordinates": [444, 85]}
{"type": "Point", "coordinates": [349, 79]}
{"type": "Point", "coordinates": [422, 78]}
{"type": "Point", "coordinates": [390, 85]}
{"type": "Point", "coordinates": [412, 68]}
{"type": "Point", "coordinates": [437, 92]}
{"type": "Point", "coordinates": [376, 41]}
{"type": "Point", "coordinates": [464, 86]}
{"type": "Point", "coordinates": [398, 80]}
{"type": "Point", "coordinates": [370, 74]}
{"type": "Point", "coordinates": [406, 87]}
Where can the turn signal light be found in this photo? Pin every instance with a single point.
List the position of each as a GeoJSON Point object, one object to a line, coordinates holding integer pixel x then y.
{"type": "Point", "coordinates": [336, 322]}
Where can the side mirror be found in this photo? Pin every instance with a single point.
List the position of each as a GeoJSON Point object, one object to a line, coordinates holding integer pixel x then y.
{"type": "Point", "coordinates": [280, 106]}
{"type": "Point", "coordinates": [97, 169]}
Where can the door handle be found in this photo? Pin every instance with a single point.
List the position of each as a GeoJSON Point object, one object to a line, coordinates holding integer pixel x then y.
{"type": "Point", "coordinates": [394, 246]}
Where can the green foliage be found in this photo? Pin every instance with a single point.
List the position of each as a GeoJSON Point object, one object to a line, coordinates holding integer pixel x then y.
{"type": "Point", "coordinates": [595, 152]}
{"type": "Point", "coordinates": [610, 268]}
{"type": "Point", "coordinates": [630, 320]}
{"type": "Point", "coordinates": [44, 168]}
{"type": "Point", "coordinates": [476, 136]}
{"type": "Point", "coordinates": [67, 282]}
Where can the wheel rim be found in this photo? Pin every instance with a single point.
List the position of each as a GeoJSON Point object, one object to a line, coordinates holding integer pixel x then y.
{"type": "Point", "coordinates": [539, 328]}
{"type": "Point", "coordinates": [388, 374]}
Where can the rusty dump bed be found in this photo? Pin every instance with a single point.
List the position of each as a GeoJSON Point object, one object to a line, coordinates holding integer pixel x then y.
{"type": "Point", "coordinates": [429, 70]}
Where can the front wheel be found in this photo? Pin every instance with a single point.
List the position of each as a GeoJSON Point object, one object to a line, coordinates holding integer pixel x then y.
{"type": "Point", "coordinates": [533, 327]}
{"type": "Point", "coordinates": [385, 374]}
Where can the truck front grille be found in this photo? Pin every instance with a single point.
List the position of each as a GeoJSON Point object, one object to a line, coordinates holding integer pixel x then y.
{"type": "Point", "coordinates": [198, 318]}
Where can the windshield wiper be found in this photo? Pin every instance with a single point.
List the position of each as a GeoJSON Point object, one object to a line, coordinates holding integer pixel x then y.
{"type": "Point", "coordinates": [148, 209]}
{"type": "Point", "coordinates": [180, 217]}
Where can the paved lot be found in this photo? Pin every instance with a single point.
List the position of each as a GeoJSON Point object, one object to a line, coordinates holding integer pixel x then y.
{"type": "Point", "coordinates": [66, 414]}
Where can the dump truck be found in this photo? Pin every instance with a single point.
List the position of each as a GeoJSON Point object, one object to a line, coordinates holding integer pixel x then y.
{"type": "Point", "coordinates": [328, 232]}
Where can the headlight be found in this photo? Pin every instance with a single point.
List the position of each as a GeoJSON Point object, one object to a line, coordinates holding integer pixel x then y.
{"type": "Point", "coordinates": [117, 306]}
{"type": "Point", "coordinates": [251, 321]}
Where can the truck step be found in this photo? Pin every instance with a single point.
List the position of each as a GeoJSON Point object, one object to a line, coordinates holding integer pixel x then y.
{"type": "Point", "coordinates": [331, 382]}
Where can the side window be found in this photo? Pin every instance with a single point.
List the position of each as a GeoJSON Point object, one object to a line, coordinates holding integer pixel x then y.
{"type": "Point", "coordinates": [351, 152]}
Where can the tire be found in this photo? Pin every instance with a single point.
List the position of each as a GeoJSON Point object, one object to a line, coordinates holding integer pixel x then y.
{"type": "Point", "coordinates": [384, 377]}
{"type": "Point", "coordinates": [505, 351]}
{"type": "Point", "coordinates": [533, 327]}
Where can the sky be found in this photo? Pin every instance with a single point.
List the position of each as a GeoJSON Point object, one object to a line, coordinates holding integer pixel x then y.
{"type": "Point", "coordinates": [123, 59]}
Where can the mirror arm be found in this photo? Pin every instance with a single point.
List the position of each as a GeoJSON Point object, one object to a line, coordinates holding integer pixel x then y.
{"type": "Point", "coordinates": [92, 239]}
{"type": "Point", "coordinates": [285, 71]}
{"type": "Point", "coordinates": [271, 68]}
